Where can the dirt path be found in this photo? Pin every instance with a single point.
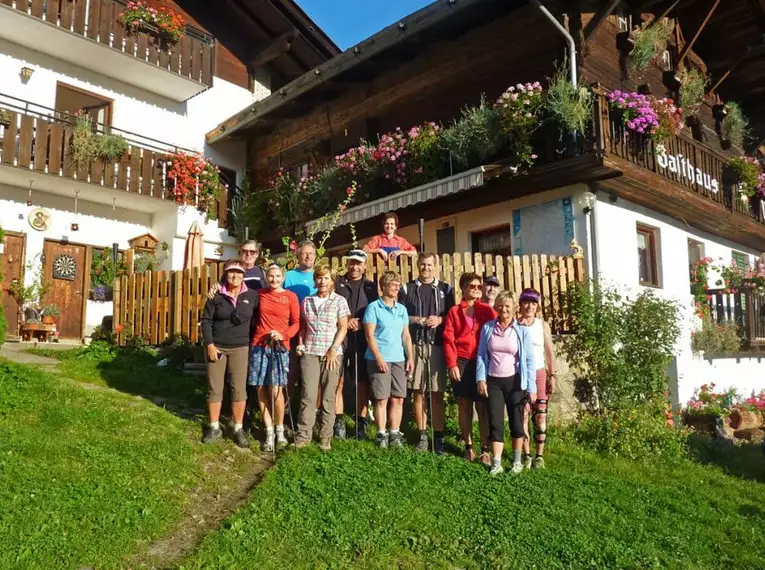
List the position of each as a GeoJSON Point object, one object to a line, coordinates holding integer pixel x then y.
{"type": "Point", "coordinates": [236, 474]}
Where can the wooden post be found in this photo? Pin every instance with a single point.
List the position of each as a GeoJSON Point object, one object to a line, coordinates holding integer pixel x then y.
{"type": "Point", "coordinates": [117, 309]}
{"type": "Point", "coordinates": [130, 260]}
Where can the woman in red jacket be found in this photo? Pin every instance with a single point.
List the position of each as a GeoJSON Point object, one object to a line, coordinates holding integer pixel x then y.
{"type": "Point", "coordinates": [461, 331]}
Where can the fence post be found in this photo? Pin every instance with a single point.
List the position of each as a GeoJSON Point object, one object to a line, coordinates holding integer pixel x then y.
{"type": "Point", "coordinates": [117, 309]}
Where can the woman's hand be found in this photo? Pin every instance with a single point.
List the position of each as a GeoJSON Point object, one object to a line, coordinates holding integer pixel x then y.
{"type": "Point", "coordinates": [382, 366]}
{"type": "Point", "coordinates": [454, 374]}
{"type": "Point", "coordinates": [409, 367]}
{"type": "Point", "coordinates": [353, 324]}
{"type": "Point", "coordinates": [483, 390]}
{"type": "Point", "coordinates": [331, 358]}
{"type": "Point", "coordinates": [212, 353]}
{"type": "Point", "coordinates": [392, 255]}
{"type": "Point", "coordinates": [383, 254]}
{"type": "Point", "coordinates": [276, 335]}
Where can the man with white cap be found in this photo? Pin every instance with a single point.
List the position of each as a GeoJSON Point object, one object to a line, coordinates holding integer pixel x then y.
{"type": "Point", "coordinates": [358, 292]}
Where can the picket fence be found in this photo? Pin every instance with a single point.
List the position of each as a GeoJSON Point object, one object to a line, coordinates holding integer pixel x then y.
{"type": "Point", "coordinates": [162, 305]}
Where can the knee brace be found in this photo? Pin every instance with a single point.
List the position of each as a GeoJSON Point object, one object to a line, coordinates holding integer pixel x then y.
{"type": "Point", "coordinates": [540, 417]}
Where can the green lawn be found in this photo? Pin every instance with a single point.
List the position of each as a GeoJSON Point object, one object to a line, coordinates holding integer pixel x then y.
{"type": "Point", "coordinates": [360, 507]}
{"type": "Point", "coordinates": [88, 476]}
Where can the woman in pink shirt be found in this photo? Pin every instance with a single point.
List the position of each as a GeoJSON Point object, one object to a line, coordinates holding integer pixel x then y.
{"type": "Point", "coordinates": [505, 373]}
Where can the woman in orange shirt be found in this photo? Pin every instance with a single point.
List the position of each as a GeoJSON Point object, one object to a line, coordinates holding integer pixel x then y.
{"type": "Point", "coordinates": [278, 322]}
{"type": "Point", "coordinates": [388, 244]}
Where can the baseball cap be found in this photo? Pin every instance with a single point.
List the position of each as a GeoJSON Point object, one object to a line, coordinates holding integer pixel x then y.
{"type": "Point", "coordinates": [357, 255]}
{"type": "Point", "coordinates": [491, 280]}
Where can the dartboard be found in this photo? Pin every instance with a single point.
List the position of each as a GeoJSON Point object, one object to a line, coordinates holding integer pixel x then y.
{"type": "Point", "coordinates": [64, 267]}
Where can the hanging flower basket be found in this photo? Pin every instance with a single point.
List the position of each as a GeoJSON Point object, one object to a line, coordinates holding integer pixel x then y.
{"type": "Point", "coordinates": [166, 23]}
{"type": "Point", "coordinates": [194, 181]}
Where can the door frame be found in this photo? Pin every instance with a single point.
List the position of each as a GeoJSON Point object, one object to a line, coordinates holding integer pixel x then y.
{"type": "Point", "coordinates": [86, 277]}
{"type": "Point", "coordinates": [23, 237]}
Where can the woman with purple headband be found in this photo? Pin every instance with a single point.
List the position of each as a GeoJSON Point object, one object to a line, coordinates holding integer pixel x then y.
{"type": "Point", "coordinates": [544, 356]}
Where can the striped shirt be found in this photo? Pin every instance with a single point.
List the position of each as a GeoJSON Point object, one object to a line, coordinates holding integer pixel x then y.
{"type": "Point", "coordinates": [321, 316]}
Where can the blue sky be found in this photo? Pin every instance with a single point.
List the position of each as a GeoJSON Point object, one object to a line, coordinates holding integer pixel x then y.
{"type": "Point", "coordinates": [348, 22]}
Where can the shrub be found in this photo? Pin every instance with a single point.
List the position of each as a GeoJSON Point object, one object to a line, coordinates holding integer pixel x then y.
{"type": "Point", "coordinates": [715, 338]}
{"type": "Point", "coordinates": [569, 106]}
{"type": "Point", "coordinates": [640, 432]}
{"type": "Point", "coordinates": [145, 261]}
{"type": "Point", "coordinates": [83, 148]}
{"type": "Point", "coordinates": [622, 346]}
{"type": "Point", "coordinates": [650, 41]}
{"type": "Point", "coordinates": [110, 148]}
{"type": "Point", "coordinates": [735, 125]}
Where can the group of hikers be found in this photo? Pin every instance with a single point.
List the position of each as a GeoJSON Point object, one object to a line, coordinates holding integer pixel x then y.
{"type": "Point", "coordinates": [270, 330]}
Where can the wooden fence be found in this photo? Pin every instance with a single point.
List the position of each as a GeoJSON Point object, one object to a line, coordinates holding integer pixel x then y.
{"type": "Point", "coordinates": [746, 308]}
{"type": "Point", "coordinates": [159, 306]}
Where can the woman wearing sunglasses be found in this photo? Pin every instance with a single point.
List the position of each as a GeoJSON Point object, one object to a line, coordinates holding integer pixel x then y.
{"type": "Point", "coordinates": [461, 332]}
{"type": "Point", "coordinates": [227, 325]}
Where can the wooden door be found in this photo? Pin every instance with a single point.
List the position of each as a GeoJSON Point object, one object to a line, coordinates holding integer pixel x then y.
{"type": "Point", "coordinates": [65, 269]}
{"type": "Point", "coordinates": [12, 268]}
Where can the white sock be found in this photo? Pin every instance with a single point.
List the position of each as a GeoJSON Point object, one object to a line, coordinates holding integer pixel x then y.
{"type": "Point", "coordinates": [270, 430]}
{"type": "Point", "coordinates": [382, 432]}
{"type": "Point", "coordinates": [280, 429]}
{"type": "Point", "coordinates": [237, 427]}
{"type": "Point", "coordinates": [395, 431]}
{"type": "Point", "coordinates": [215, 425]}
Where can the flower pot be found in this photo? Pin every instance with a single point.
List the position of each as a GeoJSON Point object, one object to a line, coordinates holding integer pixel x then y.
{"type": "Point", "coordinates": [624, 42]}
{"type": "Point", "coordinates": [49, 320]}
{"type": "Point", "coordinates": [745, 419]}
{"type": "Point", "coordinates": [719, 112]}
{"type": "Point", "coordinates": [102, 294]}
{"type": "Point", "coordinates": [671, 80]}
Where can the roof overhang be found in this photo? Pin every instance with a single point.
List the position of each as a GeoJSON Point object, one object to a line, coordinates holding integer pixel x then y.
{"type": "Point", "coordinates": [431, 191]}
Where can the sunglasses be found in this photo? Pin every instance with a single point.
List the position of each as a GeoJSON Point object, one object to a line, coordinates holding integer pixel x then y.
{"type": "Point", "coordinates": [474, 287]}
{"type": "Point", "coordinates": [248, 251]}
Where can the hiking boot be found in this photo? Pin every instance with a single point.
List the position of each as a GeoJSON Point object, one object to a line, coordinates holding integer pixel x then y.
{"type": "Point", "coordinates": [526, 461]}
{"type": "Point", "coordinates": [438, 444]}
{"type": "Point", "coordinates": [538, 463]}
{"type": "Point", "coordinates": [485, 458]}
{"type": "Point", "coordinates": [281, 441]}
{"type": "Point", "coordinates": [397, 440]}
{"type": "Point", "coordinates": [469, 454]}
{"type": "Point", "coordinates": [363, 429]}
{"type": "Point", "coordinates": [240, 439]}
{"type": "Point", "coordinates": [268, 443]}
{"type": "Point", "coordinates": [382, 440]}
{"type": "Point", "coordinates": [496, 469]}
{"type": "Point", "coordinates": [339, 429]}
{"type": "Point", "coordinates": [300, 444]}
{"type": "Point", "coordinates": [516, 468]}
{"type": "Point", "coordinates": [326, 444]}
{"type": "Point", "coordinates": [423, 444]}
{"type": "Point", "coordinates": [211, 434]}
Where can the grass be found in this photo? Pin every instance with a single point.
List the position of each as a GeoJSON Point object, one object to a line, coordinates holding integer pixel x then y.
{"type": "Point", "coordinates": [90, 476]}
{"type": "Point", "coordinates": [359, 507]}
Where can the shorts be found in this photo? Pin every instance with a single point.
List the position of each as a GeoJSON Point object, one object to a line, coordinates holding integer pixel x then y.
{"type": "Point", "coordinates": [541, 384]}
{"type": "Point", "coordinates": [388, 384]}
{"type": "Point", "coordinates": [466, 388]}
{"type": "Point", "coordinates": [350, 368]}
{"type": "Point", "coordinates": [432, 355]}
{"type": "Point", "coordinates": [234, 362]}
{"type": "Point", "coordinates": [261, 360]}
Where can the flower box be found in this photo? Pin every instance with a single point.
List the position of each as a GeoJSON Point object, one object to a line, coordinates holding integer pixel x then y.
{"type": "Point", "coordinates": [701, 423]}
{"type": "Point", "coordinates": [49, 320]}
{"type": "Point", "coordinates": [745, 419]}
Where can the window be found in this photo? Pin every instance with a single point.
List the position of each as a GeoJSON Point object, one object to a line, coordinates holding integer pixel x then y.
{"type": "Point", "coordinates": [494, 241]}
{"type": "Point", "coordinates": [648, 256]}
{"type": "Point", "coordinates": [446, 240]}
{"type": "Point", "coordinates": [71, 100]}
{"type": "Point", "coordinates": [695, 252]}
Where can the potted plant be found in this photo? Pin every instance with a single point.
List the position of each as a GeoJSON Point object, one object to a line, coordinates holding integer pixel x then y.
{"type": "Point", "coordinates": [49, 314]}
{"type": "Point", "coordinates": [5, 118]}
{"type": "Point", "coordinates": [649, 41]}
{"type": "Point", "coordinates": [693, 86]}
{"type": "Point", "coordinates": [168, 24]}
{"type": "Point", "coordinates": [102, 275]}
{"type": "Point", "coordinates": [734, 127]}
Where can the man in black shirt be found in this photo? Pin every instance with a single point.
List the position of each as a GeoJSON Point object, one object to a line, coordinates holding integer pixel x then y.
{"type": "Point", "coordinates": [359, 292]}
{"type": "Point", "coordinates": [427, 301]}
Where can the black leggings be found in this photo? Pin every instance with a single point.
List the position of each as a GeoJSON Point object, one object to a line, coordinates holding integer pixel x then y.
{"type": "Point", "coordinates": [505, 393]}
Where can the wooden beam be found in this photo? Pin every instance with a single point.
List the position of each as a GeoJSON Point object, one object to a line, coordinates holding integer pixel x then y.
{"type": "Point", "coordinates": [273, 49]}
{"type": "Point", "coordinates": [599, 17]}
{"type": "Point", "coordinates": [689, 45]}
{"type": "Point", "coordinates": [730, 70]}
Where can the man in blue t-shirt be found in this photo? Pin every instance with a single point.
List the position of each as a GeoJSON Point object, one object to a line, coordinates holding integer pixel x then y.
{"type": "Point", "coordinates": [300, 280]}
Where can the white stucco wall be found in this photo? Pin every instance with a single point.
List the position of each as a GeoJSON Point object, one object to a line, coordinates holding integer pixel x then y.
{"type": "Point", "coordinates": [618, 265]}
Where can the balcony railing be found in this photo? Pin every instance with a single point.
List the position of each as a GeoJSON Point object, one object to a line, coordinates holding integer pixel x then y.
{"type": "Point", "coordinates": [679, 159]}
{"type": "Point", "coordinates": [745, 308]}
{"type": "Point", "coordinates": [191, 57]}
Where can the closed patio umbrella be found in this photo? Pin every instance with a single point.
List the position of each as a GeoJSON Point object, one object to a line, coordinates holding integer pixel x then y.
{"type": "Point", "coordinates": [195, 253]}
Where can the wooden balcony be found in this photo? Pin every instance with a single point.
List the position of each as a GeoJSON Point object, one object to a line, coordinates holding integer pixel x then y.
{"type": "Point", "coordinates": [685, 179]}
{"type": "Point", "coordinates": [176, 71]}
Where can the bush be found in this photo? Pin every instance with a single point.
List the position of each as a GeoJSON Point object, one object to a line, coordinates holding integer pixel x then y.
{"type": "Point", "coordinates": [715, 338]}
{"type": "Point", "coordinates": [622, 347]}
{"type": "Point", "coordinates": [475, 137]}
{"type": "Point", "coordinates": [569, 106]}
{"type": "Point", "coordinates": [650, 41]}
{"type": "Point", "coordinates": [642, 432]}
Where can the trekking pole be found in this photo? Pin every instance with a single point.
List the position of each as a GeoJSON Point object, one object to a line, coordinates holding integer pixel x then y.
{"type": "Point", "coordinates": [273, 402]}
{"type": "Point", "coordinates": [286, 396]}
{"type": "Point", "coordinates": [430, 398]}
{"type": "Point", "coordinates": [356, 382]}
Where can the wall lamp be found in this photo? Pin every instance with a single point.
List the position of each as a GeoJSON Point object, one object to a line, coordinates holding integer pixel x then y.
{"type": "Point", "coordinates": [26, 74]}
